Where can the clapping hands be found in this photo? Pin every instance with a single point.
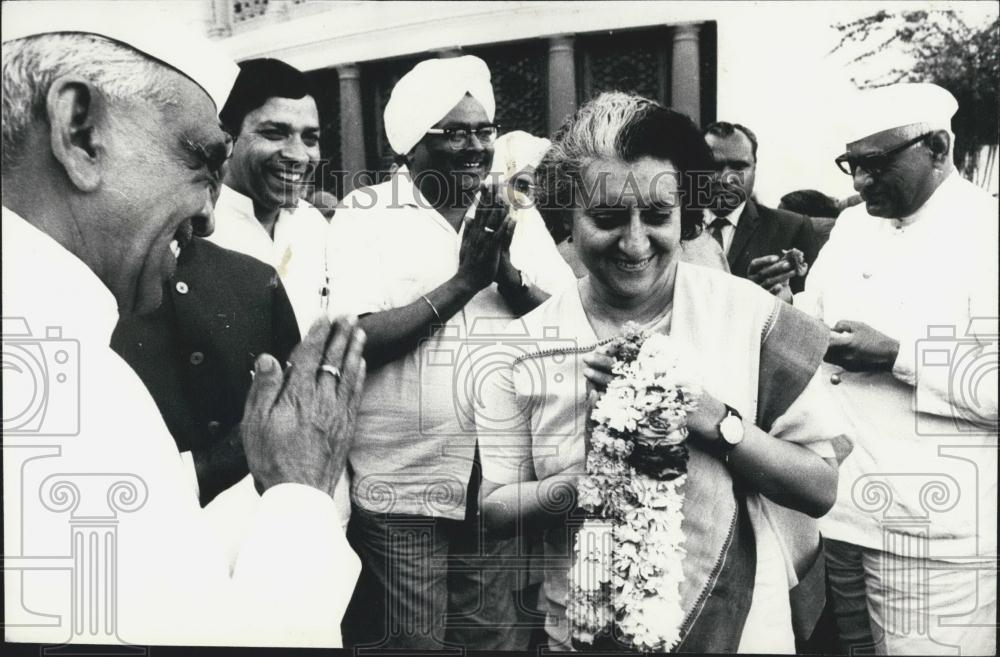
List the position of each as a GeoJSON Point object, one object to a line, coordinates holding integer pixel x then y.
{"type": "Point", "coordinates": [485, 242]}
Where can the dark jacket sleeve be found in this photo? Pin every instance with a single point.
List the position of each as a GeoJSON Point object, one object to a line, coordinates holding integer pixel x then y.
{"type": "Point", "coordinates": [286, 330]}
{"type": "Point", "coordinates": [807, 241]}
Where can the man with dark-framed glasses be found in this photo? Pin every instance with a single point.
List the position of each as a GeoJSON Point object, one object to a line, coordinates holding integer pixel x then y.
{"type": "Point", "coordinates": [875, 163]}
{"type": "Point", "coordinates": [433, 263]}
{"type": "Point", "coordinates": [459, 138]}
{"type": "Point", "coordinates": [908, 284]}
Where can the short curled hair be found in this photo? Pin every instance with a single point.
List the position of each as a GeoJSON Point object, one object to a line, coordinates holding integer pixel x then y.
{"type": "Point", "coordinates": [625, 127]}
{"type": "Point", "coordinates": [32, 64]}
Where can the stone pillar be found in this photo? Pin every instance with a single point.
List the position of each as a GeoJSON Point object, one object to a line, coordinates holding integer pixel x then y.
{"type": "Point", "coordinates": [352, 131]}
{"type": "Point", "coordinates": [222, 18]}
{"type": "Point", "coordinates": [685, 78]}
{"type": "Point", "coordinates": [562, 81]}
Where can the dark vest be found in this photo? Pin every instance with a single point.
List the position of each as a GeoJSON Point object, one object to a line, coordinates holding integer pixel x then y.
{"type": "Point", "coordinates": [195, 352]}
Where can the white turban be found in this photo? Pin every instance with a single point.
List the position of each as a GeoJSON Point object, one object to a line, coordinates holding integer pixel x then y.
{"type": "Point", "coordinates": [919, 108]}
{"type": "Point", "coordinates": [513, 151]}
{"type": "Point", "coordinates": [179, 47]}
{"type": "Point", "coordinates": [427, 93]}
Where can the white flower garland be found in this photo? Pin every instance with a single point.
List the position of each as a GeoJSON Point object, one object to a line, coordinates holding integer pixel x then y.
{"type": "Point", "coordinates": [628, 555]}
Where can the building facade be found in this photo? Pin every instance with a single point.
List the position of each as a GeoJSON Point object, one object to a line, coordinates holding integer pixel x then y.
{"type": "Point", "coordinates": [767, 65]}
{"type": "Point", "coordinates": [538, 81]}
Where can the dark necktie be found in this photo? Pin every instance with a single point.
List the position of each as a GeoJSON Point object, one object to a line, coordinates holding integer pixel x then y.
{"type": "Point", "coordinates": [715, 228]}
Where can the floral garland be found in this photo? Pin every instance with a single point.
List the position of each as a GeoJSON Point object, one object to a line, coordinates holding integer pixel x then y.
{"type": "Point", "coordinates": [628, 555]}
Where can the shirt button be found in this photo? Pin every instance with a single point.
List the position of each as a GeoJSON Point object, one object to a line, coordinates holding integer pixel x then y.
{"type": "Point", "coordinates": [835, 379]}
{"type": "Point", "coordinates": [197, 358]}
{"type": "Point", "coordinates": [213, 427]}
{"type": "Point", "coordinates": [181, 287]}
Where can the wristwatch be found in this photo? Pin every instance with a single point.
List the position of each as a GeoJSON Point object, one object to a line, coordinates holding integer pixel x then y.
{"type": "Point", "coordinates": [731, 431]}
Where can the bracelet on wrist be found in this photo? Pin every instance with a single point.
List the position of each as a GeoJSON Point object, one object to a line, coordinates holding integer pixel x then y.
{"type": "Point", "coordinates": [437, 315]}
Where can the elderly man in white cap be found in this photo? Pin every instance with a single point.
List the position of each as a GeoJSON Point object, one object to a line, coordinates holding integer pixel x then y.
{"type": "Point", "coordinates": [908, 283]}
{"type": "Point", "coordinates": [111, 154]}
{"type": "Point", "coordinates": [432, 272]}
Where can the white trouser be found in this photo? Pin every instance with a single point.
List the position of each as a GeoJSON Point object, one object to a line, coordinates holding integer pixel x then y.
{"type": "Point", "coordinates": [893, 605]}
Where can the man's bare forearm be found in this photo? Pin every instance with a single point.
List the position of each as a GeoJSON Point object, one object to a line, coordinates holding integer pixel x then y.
{"type": "Point", "coordinates": [396, 332]}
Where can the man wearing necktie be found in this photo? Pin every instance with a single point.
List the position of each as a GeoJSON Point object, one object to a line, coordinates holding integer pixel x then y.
{"type": "Point", "coordinates": [753, 237]}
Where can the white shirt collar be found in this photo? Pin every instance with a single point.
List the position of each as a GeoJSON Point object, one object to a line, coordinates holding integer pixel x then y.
{"type": "Point", "coordinates": [232, 201]}
{"type": "Point", "coordinates": [48, 286]}
{"type": "Point", "coordinates": [409, 194]}
{"type": "Point", "coordinates": [238, 204]}
{"type": "Point", "coordinates": [733, 217]}
{"type": "Point", "coordinates": [937, 202]}
{"type": "Point", "coordinates": [237, 226]}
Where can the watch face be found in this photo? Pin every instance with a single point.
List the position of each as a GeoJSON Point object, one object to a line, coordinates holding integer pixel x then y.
{"type": "Point", "coordinates": [731, 429]}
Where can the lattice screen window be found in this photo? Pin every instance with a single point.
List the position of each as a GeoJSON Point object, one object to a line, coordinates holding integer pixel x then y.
{"type": "Point", "coordinates": [247, 9]}
{"type": "Point", "coordinates": [635, 62]}
{"type": "Point", "coordinates": [519, 75]}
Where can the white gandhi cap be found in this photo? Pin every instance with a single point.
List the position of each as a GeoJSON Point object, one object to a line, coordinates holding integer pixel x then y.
{"type": "Point", "coordinates": [915, 107]}
{"type": "Point", "coordinates": [173, 44]}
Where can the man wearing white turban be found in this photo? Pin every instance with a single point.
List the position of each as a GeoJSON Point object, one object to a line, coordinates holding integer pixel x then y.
{"type": "Point", "coordinates": [426, 260]}
{"type": "Point", "coordinates": [908, 283]}
{"type": "Point", "coordinates": [429, 92]}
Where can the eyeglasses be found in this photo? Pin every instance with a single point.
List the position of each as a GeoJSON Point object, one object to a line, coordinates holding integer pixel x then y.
{"type": "Point", "coordinates": [876, 163]}
{"type": "Point", "coordinates": [459, 137]}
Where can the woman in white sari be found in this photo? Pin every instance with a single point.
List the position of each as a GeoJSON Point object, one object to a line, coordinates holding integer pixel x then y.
{"type": "Point", "coordinates": [624, 171]}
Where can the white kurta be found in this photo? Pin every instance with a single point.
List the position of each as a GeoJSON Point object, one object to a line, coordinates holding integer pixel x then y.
{"type": "Point", "coordinates": [925, 462]}
{"type": "Point", "coordinates": [297, 252]}
{"type": "Point", "coordinates": [104, 541]}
